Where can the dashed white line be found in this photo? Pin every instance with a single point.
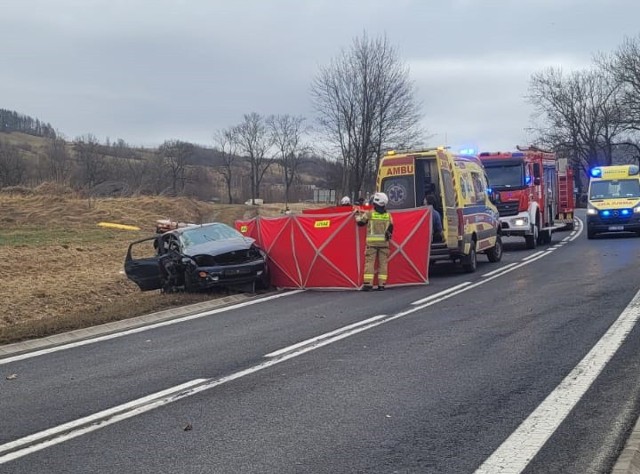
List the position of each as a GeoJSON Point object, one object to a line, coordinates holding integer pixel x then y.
{"type": "Point", "coordinates": [499, 269]}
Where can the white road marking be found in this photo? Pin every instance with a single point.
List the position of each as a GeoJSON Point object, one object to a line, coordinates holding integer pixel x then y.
{"type": "Point", "coordinates": [500, 269]}
{"type": "Point", "coordinates": [443, 292]}
{"type": "Point", "coordinates": [323, 336]}
{"type": "Point", "coordinates": [38, 441]}
{"type": "Point", "coordinates": [519, 449]}
{"type": "Point", "coordinates": [29, 355]}
{"type": "Point", "coordinates": [532, 255]}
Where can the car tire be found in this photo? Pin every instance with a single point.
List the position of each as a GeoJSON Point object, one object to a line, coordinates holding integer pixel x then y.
{"type": "Point", "coordinates": [494, 254]}
{"type": "Point", "coordinates": [591, 234]}
{"type": "Point", "coordinates": [532, 240]}
{"type": "Point", "coordinates": [470, 262]}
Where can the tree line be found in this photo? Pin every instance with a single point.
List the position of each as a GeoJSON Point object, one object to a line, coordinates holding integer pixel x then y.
{"type": "Point", "coordinates": [364, 103]}
{"type": "Point", "coordinates": [591, 116]}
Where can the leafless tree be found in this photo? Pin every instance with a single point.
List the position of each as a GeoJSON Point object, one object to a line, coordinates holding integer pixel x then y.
{"type": "Point", "coordinates": [13, 167]}
{"type": "Point", "coordinates": [177, 157]}
{"type": "Point", "coordinates": [366, 102]}
{"type": "Point", "coordinates": [92, 162]}
{"type": "Point", "coordinates": [58, 160]}
{"type": "Point", "coordinates": [287, 133]}
{"type": "Point", "coordinates": [254, 142]}
{"type": "Point", "coordinates": [227, 143]}
{"type": "Point", "coordinates": [581, 114]}
{"type": "Point", "coordinates": [624, 65]}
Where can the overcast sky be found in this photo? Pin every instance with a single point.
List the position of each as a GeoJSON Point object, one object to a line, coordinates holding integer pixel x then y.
{"type": "Point", "coordinates": [150, 70]}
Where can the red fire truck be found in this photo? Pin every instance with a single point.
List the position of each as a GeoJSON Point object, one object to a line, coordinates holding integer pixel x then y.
{"type": "Point", "coordinates": [533, 191]}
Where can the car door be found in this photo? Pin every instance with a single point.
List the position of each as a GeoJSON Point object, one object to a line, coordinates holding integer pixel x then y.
{"type": "Point", "coordinates": [141, 264]}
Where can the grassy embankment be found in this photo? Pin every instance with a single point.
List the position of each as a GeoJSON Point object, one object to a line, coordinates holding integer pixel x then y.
{"type": "Point", "coordinates": [62, 272]}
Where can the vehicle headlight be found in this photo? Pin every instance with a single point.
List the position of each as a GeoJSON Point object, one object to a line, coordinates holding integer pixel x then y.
{"type": "Point", "coordinates": [592, 211]}
{"type": "Point", "coordinates": [636, 210]}
{"type": "Point", "coordinates": [520, 221]}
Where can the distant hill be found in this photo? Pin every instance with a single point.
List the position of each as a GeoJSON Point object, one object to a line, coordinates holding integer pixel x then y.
{"type": "Point", "coordinates": [12, 121]}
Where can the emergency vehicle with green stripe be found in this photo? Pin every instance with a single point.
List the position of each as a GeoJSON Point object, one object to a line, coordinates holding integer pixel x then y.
{"type": "Point", "coordinates": [459, 183]}
{"type": "Point", "coordinates": [614, 200]}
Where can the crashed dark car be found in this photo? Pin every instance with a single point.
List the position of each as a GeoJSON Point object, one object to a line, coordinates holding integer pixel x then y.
{"type": "Point", "coordinates": [197, 257]}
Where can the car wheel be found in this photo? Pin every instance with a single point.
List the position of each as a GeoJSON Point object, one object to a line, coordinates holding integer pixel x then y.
{"type": "Point", "coordinates": [494, 254]}
{"type": "Point", "coordinates": [470, 262]}
{"type": "Point", "coordinates": [591, 234]}
{"type": "Point", "coordinates": [532, 240]}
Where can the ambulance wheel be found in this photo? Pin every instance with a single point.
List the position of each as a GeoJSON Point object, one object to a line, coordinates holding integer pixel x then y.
{"type": "Point", "coordinates": [532, 240]}
{"type": "Point", "coordinates": [494, 254]}
{"type": "Point", "coordinates": [591, 234]}
{"type": "Point", "coordinates": [470, 262]}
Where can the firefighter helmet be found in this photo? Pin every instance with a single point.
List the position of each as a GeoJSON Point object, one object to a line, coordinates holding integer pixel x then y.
{"type": "Point", "coordinates": [345, 201]}
{"type": "Point", "coordinates": [380, 199]}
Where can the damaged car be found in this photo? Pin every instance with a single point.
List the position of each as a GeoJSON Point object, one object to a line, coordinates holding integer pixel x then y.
{"type": "Point", "coordinates": [197, 257]}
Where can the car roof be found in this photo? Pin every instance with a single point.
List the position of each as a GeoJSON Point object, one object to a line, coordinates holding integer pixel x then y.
{"type": "Point", "coordinates": [181, 230]}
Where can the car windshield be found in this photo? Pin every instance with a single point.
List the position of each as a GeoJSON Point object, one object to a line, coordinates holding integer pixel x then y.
{"type": "Point", "coordinates": [505, 176]}
{"type": "Point", "coordinates": [624, 188]}
{"type": "Point", "coordinates": [209, 233]}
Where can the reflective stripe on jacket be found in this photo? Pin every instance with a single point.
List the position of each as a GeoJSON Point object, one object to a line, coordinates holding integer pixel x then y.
{"type": "Point", "coordinates": [377, 227]}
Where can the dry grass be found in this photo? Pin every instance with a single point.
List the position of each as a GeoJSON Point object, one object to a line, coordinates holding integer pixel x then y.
{"type": "Point", "coordinates": [61, 271]}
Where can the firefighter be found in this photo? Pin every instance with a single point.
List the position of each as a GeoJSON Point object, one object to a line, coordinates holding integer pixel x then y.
{"type": "Point", "coordinates": [379, 230]}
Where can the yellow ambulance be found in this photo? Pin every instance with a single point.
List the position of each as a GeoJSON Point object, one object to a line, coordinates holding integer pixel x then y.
{"type": "Point", "coordinates": [458, 184]}
{"type": "Point", "coordinates": [614, 200]}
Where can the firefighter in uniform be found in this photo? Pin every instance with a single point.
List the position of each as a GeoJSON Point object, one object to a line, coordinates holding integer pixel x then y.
{"type": "Point", "coordinates": [379, 230]}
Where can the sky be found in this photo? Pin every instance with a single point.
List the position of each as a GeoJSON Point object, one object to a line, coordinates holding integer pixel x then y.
{"type": "Point", "coordinates": [147, 71]}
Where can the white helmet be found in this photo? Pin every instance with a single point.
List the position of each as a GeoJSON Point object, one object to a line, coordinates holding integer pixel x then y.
{"type": "Point", "coordinates": [380, 199]}
{"type": "Point", "coordinates": [345, 201]}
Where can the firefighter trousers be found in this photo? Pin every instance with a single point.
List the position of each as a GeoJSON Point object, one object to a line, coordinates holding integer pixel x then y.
{"type": "Point", "coordinates": [370, 256]}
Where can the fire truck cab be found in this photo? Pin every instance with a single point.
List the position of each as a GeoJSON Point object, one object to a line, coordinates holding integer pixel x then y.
{"type": "Point", "coordinates": [533, 192]}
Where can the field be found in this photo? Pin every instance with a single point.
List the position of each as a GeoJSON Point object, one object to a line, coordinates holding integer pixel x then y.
{"type": "Point", "coordinates": [61, 271]}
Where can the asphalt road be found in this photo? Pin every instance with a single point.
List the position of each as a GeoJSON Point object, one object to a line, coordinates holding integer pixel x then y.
{"type": "Point", "coordinates": [391, 386]}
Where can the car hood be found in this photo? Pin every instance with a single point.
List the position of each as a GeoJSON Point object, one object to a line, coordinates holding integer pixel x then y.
{"type": "Point", "coordinates": [219, 247]}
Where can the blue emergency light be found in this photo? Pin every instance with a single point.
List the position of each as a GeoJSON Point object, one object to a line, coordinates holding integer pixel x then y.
{"type": "Point", "coordinates": [606, 213]}
{"type": "Point", "coordinates": [625, 212]}
{"type": "Point", "coordinates": [596, 172]}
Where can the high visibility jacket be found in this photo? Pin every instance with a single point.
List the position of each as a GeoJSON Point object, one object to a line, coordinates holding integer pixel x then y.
{"type": "Point", "coordinates": [379, 228]}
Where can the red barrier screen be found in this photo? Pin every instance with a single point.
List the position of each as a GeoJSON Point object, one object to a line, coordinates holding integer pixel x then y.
{"type": "Point", "coordinates": [326, 250]}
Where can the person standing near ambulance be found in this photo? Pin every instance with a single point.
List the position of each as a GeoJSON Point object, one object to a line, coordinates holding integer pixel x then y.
{"type": "Point", "coordinates": [379, 231]}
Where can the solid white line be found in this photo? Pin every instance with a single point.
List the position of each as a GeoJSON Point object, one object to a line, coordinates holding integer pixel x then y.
{"type": "Point", "coordinates": [443, 292]}
{"type": "Point", "coordinates": [518, 450]}
{"type": "Point", "coordinates": [532, 255]}
{"type": "Point", "coordinates": [323, 336]}
{"type": "Point", "coordinates": [107, 337]}
{"type": "Point", "coordinates": [501, 269]}
{"type": "Point", "coordinates": [89, 423]}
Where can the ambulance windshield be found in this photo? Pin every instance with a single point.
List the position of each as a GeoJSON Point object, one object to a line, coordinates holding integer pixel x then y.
{"type": "Point", "coordinates": [505, 175]}
{"type": "Point", "coordinates": [624, 188]}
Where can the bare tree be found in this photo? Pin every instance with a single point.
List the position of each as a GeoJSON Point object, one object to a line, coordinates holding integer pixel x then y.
{"type": "Point", "coordinates": [92, 163]}
{"type": "Point", "coordinates": [58, 160]}
{"type": "Point", "coordinates": [254, 142]}
{"type": "Point", "coordinates": [226, 141]}
{"type": "Point", "coordinates": [286, 133]}
{"type": "Point", "coordinates": [13, 167]}
{"type": "Point", "coordinates": [365, 102]}
{"type": "Point", "coordinates": [581, 114]}
{"type": "Point", "coordinates": [177, 156]}
{"type": "Point", "coordinates": [624, 66]}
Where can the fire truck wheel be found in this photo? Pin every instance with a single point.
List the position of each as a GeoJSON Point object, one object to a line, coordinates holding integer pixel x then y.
{"type": "Point", "coordinates": [494, 254]}
{"type": "Point", "coordinates": [470, 262]}
{"type": "Point", "coordinates": [532, 240]}
{"type": "Point", "coordinates": [545, 237]}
